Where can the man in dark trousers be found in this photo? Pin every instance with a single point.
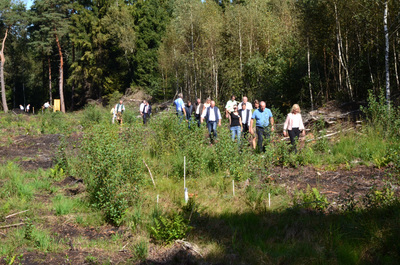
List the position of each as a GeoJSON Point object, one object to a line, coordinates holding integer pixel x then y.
{"type": "Point", "coordinates": [263, 118]}
{"type": "Point", "coordinates": [145, 111]}
{"type": "Point", "coordinates": [245, 115]}
{"type": "Point", "coordinates": [213, 117]}
{"type": "Point", "coordinates": [198, 108]}
{"type": "Point", "coordinates": [189, 110]}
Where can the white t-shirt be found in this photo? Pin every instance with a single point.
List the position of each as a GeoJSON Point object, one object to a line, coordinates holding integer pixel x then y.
{"type": "Point", "coordinates": [248, 106]}
{"type": "Point", "coordinates": [46, 105]}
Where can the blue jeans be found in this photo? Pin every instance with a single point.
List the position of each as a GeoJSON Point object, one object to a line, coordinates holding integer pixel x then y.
{"type": "Point", "coordinates": [236, 130]}
{"type": "Point", "coordinates": [179, 113]}
{"type": "Point", "coordinates": [212, 129]}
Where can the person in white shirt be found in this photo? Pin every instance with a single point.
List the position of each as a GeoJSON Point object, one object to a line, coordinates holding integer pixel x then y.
{"type": "Point", "coordinates": [245, 114]}
{"type": "Point", "coordinates": [229, 106]}
{"type": "Point", "coordinates": [294, 125]}
{"type": "Point", "coordinates": [119, 110]}
{"type": "Point", "coordinates": [245, 101]}
{"type": "Point", "coordinates": [27, 108]}
{"type": "Point", "coordinates": [46, 106]}
{"type": "Point", "coordinates": [198, 111]}
{"type": "Point", "coordinates": [145, 111]}
{"type": "Point", "coordinates": [21, 107]}
{"type": "Point", "coordinates": [213, 117]}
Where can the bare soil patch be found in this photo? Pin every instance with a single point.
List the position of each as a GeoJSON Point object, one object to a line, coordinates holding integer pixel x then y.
{"type": "Point", "coordinates": [31, 152]}
{"type": "Point", "coordinates": [335, 185]}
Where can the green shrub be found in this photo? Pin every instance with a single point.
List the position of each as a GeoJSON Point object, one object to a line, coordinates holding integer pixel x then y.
{"type": "Point", "coordinates": [92, 114]}
{"type": "Point", "coordinates": [310, 199]}
{"type": "Point", "coordinates": [167, 229]}
{"type": "Point", "coordinates": [379, 197]}
{"type": "Point", "coordinates": [111, 165]}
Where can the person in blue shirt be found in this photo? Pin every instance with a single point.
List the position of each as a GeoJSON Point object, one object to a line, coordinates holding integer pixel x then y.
{"type": "Point", "coordinates": [263, 118]}
{"type": "Point", "coordinates": [180, 107]}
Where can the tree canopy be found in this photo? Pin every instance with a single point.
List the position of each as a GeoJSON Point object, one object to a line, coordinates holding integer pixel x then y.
{"type": "Point", "coordinates": [284, 52]}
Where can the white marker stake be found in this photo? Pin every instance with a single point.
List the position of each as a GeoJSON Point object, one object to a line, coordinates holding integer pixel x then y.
{"type": "Point", "coordinates": [157, 198]}
{"type": "Point", "coordinates": [269, 200]}
{"type": "Point", "coordinates": [184, 172]}
{"type": "Point", "coordinates": [184, 180]}
{"type": "Point", "coordinates": [186, 195]}
{"type": "Point", "coordinates": [233, 187]}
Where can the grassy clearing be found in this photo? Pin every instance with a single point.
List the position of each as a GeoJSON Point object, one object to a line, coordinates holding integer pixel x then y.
{"type": "Point", "coordinates": [242, 227]}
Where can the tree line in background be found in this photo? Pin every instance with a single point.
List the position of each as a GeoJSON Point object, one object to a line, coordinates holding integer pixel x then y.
{"type": "Point", "coordinates": [281, 51]}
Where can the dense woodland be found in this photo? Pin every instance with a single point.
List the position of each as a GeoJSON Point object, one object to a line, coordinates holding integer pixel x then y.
{"type": "Point", "coordinates": [284, 52]}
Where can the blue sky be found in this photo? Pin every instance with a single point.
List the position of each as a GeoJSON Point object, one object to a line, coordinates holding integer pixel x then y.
{"type": "Point", "coordinates": [28, 3]}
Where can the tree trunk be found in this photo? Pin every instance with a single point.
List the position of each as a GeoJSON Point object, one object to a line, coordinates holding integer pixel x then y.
{"type": "Point", "coordinates": [3, 85]}
{"type": "Point", "coordinates": [342, 58]}
{"type": "Point", "coordinates": [395, 62]}
{"type": "Point", "coordinates": [192, 48]}
{"type": "Point", "coordinates": [240, 46]}
{"type": "Point", "coordinates": [61, 87]}
{"type": "Point", "coordinates": [385, 27]}
{"type": "Point", "coordinates": [50, 88]}
{"type": "Point", "coordinates": [309, 73]}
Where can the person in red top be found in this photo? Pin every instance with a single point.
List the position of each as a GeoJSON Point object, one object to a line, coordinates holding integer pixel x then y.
{"type": "Point", "coordinates": [294, 125]}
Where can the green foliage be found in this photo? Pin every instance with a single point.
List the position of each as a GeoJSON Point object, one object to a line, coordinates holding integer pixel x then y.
{"type": "Point", "coordinates": [167, 229]}
{"type": "Point", "coordinates": [310, 199]}
{"type": "Point", "coordinates": [92, 114]}
{"type": "Point", "coordinates": [140, 250]}
{"type": "Point", "coordinates": [255, 199]}
{"type": "Point", "coordinates": [376, 197]}
{"type": "Point", "coordinates": [111, 169]}
{"type": "Point", "coordinates": [63, 205]}
{"type": "Point", "coordinates": [28, 229]}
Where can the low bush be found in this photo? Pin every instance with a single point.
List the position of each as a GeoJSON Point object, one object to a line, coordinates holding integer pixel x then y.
{"type": "Point", "coordinates": [168, 228]}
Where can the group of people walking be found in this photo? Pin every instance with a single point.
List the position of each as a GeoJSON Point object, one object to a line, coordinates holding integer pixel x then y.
{"type": "Point", "coordinates": [245, 122]}
{"type": "Point", "coordinates": [242, 119]}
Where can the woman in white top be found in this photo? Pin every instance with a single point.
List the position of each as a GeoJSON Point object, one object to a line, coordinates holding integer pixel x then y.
{"type": "Point", "coordinates": [294, 125]}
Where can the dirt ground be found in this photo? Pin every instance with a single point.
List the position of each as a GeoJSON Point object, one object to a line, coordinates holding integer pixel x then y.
{"type": "Point", "coordinates": [33, 152]}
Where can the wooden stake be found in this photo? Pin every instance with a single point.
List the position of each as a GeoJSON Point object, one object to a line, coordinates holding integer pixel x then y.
{"type": "Point", "coordinates": [150, 173]}
{"type": "Point", "coordinates": [233, 187]}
